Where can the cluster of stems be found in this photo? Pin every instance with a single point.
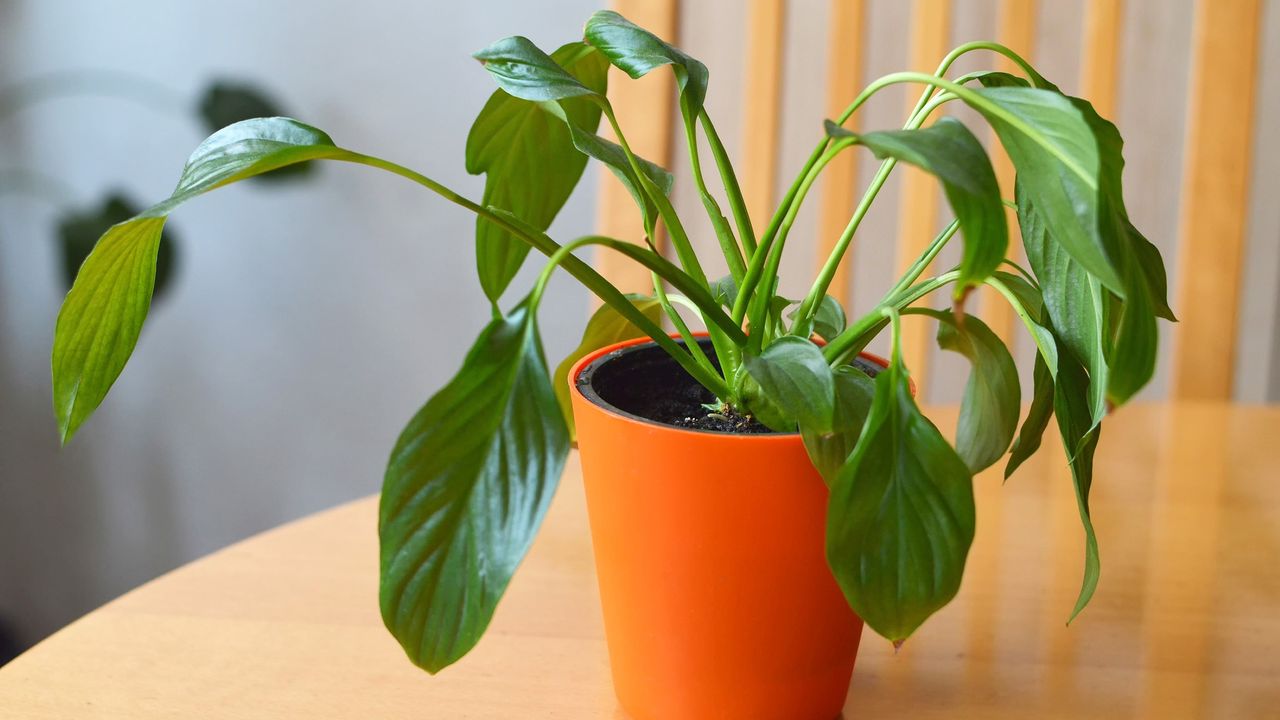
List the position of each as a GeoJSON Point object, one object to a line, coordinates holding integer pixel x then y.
{"type": "Point", "coordinates": [753, 260]}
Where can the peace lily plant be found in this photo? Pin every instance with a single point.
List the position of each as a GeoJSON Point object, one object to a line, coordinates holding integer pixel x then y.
{"type": "Point", "coordinates": [471, 476]}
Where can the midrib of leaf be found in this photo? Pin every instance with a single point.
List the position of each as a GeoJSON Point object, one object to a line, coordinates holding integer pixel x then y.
{"type": "Point", "coordinates": [1040, 139]}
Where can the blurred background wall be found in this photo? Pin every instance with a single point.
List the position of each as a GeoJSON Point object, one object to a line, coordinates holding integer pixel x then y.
{"type": "Point", "coordinates": [308, 321]}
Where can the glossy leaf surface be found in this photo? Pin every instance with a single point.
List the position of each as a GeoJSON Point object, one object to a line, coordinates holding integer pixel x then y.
{"type": "Point", "coordinates": [465, 491]}
{"type": "Point", "coordinates": [525, 71]}
{"type": "Point", "coordinates": [637, 51]}
{"type": "Point", "coordinates": [992, 397]}
{"type": "Point", "coordinates": [795, 377]}
{"type": "Point", "coordinates": [901, 516]}
{"type": "Point", "coordinates": [529, 162]}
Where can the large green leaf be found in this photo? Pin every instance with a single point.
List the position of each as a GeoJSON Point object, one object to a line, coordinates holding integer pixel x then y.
{"type": "Point", "coordinates": [1072, 300]}
{"type": "Point", "coordinates": [949, 151]}
{"type": "Point", "coordinates": [1057, 158]}
{"type": "Point", "coordinates": [606, 327]}
{"type": "Point", "coordinates": [901, 516]}
{"type": "Point", "coordinates": [465, 491]}
{"type": "Point", "coordinates": [226, 102]}
{"type": "Point", "coordinates": [992, 397]}
{"type": "Point", "coordinates": [637, 51]}
{"type": "Point", "coordinates": [829, 450]}
{"type": "Point", "coordinates": [529, 162]}
{"type": "Point", "coordinates": [795, 377]}
{"type": "Point", "coordinates": [103, 313]}
{"type": "Point", "coordinates": [525, 71]}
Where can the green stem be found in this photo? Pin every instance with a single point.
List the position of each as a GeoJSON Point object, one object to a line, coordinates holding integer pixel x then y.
{"type": "Point", "coordinates": [737, 204]}
{"type": "Point", "coordinates": [922, 263]}
{"type": "Point", "coordinates": [861, 331]}
{"type": "Point", "coordinates": [760, 301]}
{"type": "Point", "coordinates": [681, 327]}
{"type": "Point", "coordinates": [580, 270]}
{"type": "Point", "coordinates": [728, 243]}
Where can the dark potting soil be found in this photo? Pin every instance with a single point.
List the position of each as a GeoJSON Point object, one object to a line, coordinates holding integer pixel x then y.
{"type": "Point", "coordinates": [643, 381]}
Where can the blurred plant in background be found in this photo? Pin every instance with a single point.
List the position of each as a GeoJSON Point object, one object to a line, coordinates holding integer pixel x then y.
{"type": "Point", "coordinates": [77, 226]}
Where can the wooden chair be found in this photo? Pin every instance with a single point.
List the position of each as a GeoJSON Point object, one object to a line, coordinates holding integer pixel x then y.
{"type": "Point", "coordinates": [1206, 275]}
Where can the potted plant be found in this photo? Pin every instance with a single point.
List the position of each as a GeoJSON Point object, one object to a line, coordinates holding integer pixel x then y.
{"type": "Point", "coordinates": [754, 494]}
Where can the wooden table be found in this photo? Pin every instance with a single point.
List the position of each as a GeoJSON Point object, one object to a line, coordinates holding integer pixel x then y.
{"type": "Point", "coordinates": [1186, 622]}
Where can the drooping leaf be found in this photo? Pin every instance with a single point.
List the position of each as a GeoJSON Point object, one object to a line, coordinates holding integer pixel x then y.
{"type": "Point", "coordinates": [795, 377]}
{"type": "Point", "coordinates": [949, 151]}
{"type": "Point", "coordinates": [1057, 159]}
{"type": "Point", "coordinates": [1072, 300]}
{"type": "Point", "coordinates": [901, 515]}
{"type": "Point", "coordinates": [605, 327]}
{"type": "Point", "coordinates": [525, 71]}
{"type": "Point", "coordinates": [226, 102]}
{"type": "Point", "coordinates": [79, 230]}
{"type": "Point", "coordinates": [1080, 435]}
{"type": "Point", "coordinates": [1033, 427]}
{"type": "Point", "coordinates": [529, 162]}
{"type": "Point", "coordinates": [829, 451]}
{"type": "Point", "coordinates": [465, 491]}
{"type": "Point", "coordinates": [103, 313]}
{"type": "Point", "coordinates": [1131, 345]}
{"type": "Point", "coordinates": [637, 51]}
{"type": "Point", "coordinates": [992, 397]}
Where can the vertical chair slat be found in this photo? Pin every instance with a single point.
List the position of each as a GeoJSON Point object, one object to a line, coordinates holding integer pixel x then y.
{"type": "Point", "coordinates": [844, 74]}
{"type": "Point", "coordinates": [645, 109]}
{"type": "Point", "coordinates": [1215, 196]}
{"type": "Point", "coordinates": [765, 25]}
{"type": "Point", "coordinates": [1017, 31]}
{"type": "Point", "coordinates": [1100, 59]}
{"type": "Point", "coordinates": [918, 218]}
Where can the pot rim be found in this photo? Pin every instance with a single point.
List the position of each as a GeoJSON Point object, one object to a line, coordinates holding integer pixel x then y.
{"type": "Point", "coordinates": [599, 403]}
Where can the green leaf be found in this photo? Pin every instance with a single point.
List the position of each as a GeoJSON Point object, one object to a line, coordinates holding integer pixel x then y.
{"type": "Point", "coordinates": [725, 291]}
{"type": "Point", "coordinates": [615, 159]}
{"type": "Point", "coordinates": [1080, 435]}
{"type": "Point", "coordinates": [465, 492]}
{"type": "Point", "coordinates": [226, 102]}
{"type": "Point", "coordinates": [79, 230]}
{"type": "Point", "coordinates": [606, 327]}
{"type": "Point", "coordinates": [1056, 155]}
{"type": "Point", "coordinates": [637, 51]}
{"type": "Point", "coordinates": [1033, 427]}
{"type": "Point", "coordinates": [901, 516]}
{"type": "Point", "coordinates": [103, 313]}
{"type": "Point", "coordinates": [523, 70]}
{"type": "Point", "coordinates": [529, 162]}
{"type": "Point", "coordinates": [950, 152]}
{"type": "Point", "coordinates": [795, 377]}
{"type": "Point", "coordinates": [828, 320]}
{"type": "Point", "coordinates": [992, 397]}
{"type": "Point", "coordinates": [1072, 299]}
{"type": "Point", "coordinates": [829, 451]}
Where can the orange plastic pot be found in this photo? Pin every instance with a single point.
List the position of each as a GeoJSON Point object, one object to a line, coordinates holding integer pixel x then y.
{"type": "Point", "coordinates": [709, 547]}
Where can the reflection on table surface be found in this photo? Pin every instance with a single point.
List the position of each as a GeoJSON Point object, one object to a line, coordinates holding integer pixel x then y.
{"type": "Point", "coordinates": [1185, 623]}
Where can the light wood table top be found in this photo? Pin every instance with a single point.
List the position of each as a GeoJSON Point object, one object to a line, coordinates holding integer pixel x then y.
{"type": "Point", "coordinates": [1186, 621]}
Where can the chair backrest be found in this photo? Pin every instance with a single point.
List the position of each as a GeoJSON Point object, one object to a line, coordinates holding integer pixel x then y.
{"type": "Point", "coordinates": [1207, 257]}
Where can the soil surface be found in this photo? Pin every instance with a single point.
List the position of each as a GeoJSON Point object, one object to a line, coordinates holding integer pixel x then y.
{"type": "Point", "coordinates": [644, 381]}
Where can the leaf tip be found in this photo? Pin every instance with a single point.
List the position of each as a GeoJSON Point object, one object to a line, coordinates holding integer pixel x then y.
{"type": "Point", "coordinates": [897, 645]}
